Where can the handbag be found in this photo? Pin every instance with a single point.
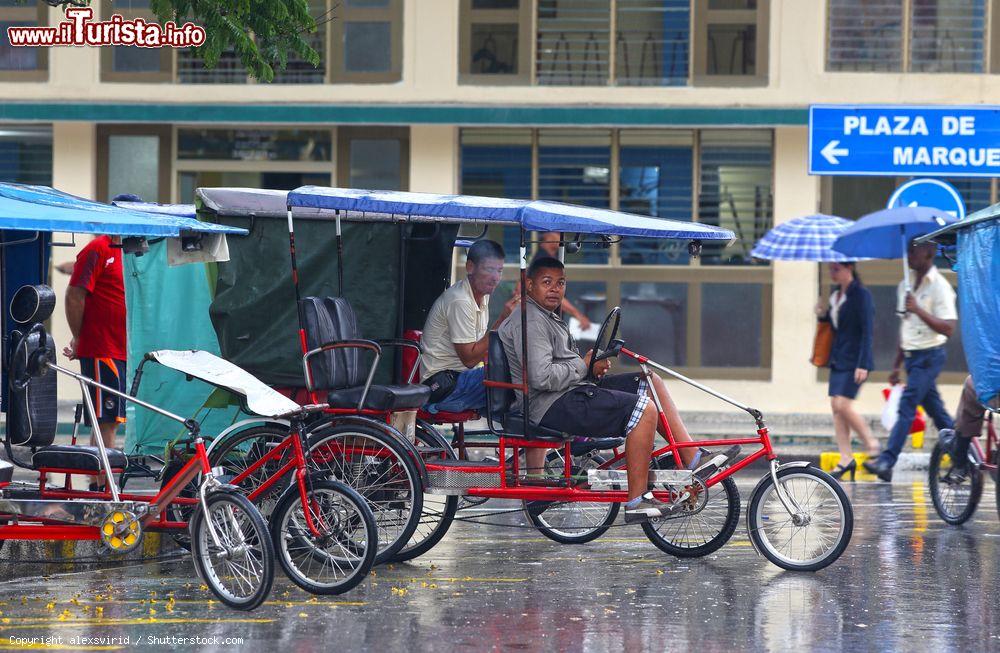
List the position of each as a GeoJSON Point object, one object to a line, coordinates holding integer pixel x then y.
{"type": "Point", "coordinates": [822, 344]}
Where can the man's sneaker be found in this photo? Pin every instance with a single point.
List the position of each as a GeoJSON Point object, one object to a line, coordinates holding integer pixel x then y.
{"type": "Point", "coordinates": [717, 462]}
{"type": "Point", "coordinates": [648, 508]}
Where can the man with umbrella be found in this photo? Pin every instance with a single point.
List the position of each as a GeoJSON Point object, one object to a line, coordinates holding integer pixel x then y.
{"type": "Point", "coordinates": [929, 321]}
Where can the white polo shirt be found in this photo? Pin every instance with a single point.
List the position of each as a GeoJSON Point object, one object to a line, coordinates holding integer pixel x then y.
{"type": "Point", "coordinates": [455, 318]}
{"type": "Point", "coordinates": [936, 296]}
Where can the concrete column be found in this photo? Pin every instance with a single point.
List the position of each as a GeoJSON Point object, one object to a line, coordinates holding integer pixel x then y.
{"type": "Point", "coordinates": [74, 70]}
{"type": "Point", "coordinates": [74, 170]}
{"type": "Point", "coordinates": [430, 43]}
{"type": "Point", "coordinates": [434, 160]}
{"type": "Point", "coordinates": [795, 283]}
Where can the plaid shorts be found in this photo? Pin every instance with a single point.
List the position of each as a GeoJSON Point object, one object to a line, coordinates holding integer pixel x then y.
{"type": "Point", "coordinates": [609, 409]}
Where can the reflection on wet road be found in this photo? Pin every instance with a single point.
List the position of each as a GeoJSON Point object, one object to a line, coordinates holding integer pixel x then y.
{"type": "Point", "coordinates": [907, 582]}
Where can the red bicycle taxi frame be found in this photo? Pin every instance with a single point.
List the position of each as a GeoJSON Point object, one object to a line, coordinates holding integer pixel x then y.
{"type": "Point", "coordinates": [297, 463]}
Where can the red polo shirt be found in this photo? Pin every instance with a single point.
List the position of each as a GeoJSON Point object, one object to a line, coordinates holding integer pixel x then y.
{"type": "Point", "coordinates": [98, 270]}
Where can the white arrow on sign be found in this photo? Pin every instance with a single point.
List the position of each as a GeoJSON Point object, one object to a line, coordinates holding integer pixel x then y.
{"type": "Point", "coordinates": [831, 152]}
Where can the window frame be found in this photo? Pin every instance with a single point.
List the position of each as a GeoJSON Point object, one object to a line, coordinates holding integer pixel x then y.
{"type": "Point", "coordinates": [393, 14]}
{"type": "Point", "coordinates": [41, 71]}
{"type": "Point", "coordinates": [991, 44]}
{"type": "Point", "coordinates": [702, 16]}
{"type": "Point", "coordinates": [343, 149]}
{"type": "Point", "coordinates": [167, 72]}
{"type": "Point", "coordinates": [165, 134]}
{"type": "Point", "coordinates": [524, 17]}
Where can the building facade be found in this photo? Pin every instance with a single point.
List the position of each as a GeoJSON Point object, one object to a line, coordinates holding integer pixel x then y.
{"type": "Point", "coordinates": [680, 109]}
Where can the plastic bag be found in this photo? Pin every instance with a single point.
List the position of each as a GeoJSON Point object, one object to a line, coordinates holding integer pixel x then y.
{"type": "Point", "coordinates": [890, 411]}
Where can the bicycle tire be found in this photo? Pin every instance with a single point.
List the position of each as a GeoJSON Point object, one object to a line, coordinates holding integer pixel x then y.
{"type": "Point", "coordinates": [953, 505]}
{"type": "Point", "coordinates": [398, 503]}
{"type": "Point", "coordinates": [343, 511]}
{"type": "Point", "coordinates": [252, 530]}
{"type": "Point", "coordinates": [764, 503]}
{"type": "Point", "coordinates": [684, 531]}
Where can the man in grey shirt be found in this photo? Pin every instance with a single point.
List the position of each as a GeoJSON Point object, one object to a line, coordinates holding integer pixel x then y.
{"type": "Point", "coordinates": [563, 399]}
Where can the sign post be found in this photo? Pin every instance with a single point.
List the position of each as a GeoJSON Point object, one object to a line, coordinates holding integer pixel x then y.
{"type": "Point", "coordinates": [934, 141]}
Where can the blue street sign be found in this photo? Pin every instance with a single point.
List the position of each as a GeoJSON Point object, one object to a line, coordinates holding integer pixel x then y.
{"type": "Point", "coordinates": [932, 141]}
{"type": "Point", "coordinates": [929, 192]}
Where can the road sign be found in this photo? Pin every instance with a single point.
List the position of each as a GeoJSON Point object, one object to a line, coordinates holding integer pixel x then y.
{"type": "Point", "coordinates": [904, 140]}
{"type": "Point", "coordinates": [929, 192]}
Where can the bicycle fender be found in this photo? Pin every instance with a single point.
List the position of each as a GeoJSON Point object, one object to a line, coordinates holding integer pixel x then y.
{"type": "Point", "coordinates": [760, 488]}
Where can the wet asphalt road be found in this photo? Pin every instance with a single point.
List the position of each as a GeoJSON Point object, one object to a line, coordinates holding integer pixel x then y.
{"type": "Point", "coordinates": [908, 582]}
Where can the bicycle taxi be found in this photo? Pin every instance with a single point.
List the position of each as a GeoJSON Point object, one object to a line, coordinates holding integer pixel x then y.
{"type": "Point", "coordinates": [976, 242]}
{"type": "Point", "coordinates": [798, 517]}
{"type": "Point", "coordinates": [230, 541]}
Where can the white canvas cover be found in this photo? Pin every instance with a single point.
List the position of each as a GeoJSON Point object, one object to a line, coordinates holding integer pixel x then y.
{"type": "Point", "coordinates": [260, 398]}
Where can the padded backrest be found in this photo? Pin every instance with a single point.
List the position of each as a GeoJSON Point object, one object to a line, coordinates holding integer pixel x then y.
{"type": "Point", "coordinates": [498, 369]}
{"type": "Point", "coordinates": [328, 319]}
{"type": "Point", "coordinates": [32, 412]}
{"type": "Point", "coordinates": [410, 357]}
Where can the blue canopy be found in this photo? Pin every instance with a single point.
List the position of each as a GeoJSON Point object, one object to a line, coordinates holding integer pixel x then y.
{"type": "Point", "coordinates": [979, 296]}
{"type": "Point", "coordinates": [947, 235]}
{"type": "Point", "coordinates": [40, 208]}
{"type": "Point", "coordinates": [531, 215]}
{"type": "Point", "coordinates": [178, 210]}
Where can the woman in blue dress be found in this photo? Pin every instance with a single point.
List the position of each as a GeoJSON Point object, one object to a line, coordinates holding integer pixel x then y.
{"type": "Point", "coordinates": [852, 315]}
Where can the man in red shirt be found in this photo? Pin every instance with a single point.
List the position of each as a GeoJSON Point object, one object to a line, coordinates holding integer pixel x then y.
{"type": "Point", "coordinates": [95, 310]}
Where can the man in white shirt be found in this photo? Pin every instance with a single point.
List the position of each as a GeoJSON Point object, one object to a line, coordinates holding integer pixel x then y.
{"type": "Point", "coordinates": [928, 323]}
{"type": "Point", "coordinates": [455, 337]}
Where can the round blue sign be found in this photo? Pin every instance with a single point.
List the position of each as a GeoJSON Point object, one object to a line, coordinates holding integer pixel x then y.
{"type": "Point", "coordinates": [929, 192]}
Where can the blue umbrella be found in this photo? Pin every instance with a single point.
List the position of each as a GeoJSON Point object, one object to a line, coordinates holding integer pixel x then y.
{"type": "Point", "coordinates": [808, 238]}
{"type": "Point", "coordinates": [887, 233]}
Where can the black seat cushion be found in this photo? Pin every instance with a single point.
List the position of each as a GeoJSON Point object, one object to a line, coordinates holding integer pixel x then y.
{"type": "Point", "coordinates": [381, 397]}
{"type": "Point", "coordinates": [84, 458]}
{"type": "Point", "coordinates": [32, 410]}
{"type": "Point", "coordinates": [513, 424]}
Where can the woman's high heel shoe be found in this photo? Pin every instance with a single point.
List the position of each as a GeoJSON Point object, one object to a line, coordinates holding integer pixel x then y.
{"type": "Point", "coordinates": [839, 471]}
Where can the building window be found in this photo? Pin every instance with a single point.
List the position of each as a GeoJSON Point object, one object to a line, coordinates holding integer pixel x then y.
{"type": "Point", "coordinates": [495, 42]}
{"type": "Point", "coordinates": [652, 43]}
{"type": "Point", "coordinates": [359, 41]}
{"type": "Point", "coordinates": [731, 44]}
{"type": "Point", "coordinates": [20, 63]}
{"type": "Point", "coordinates": [573, 42]}
{"type": "Point", "coordinates": [281, 159]}
{"type": "Point", "coordinates": [134, 159]}
{"type": "Point", "coordinates": [366, 43]}
{"type": "Point", "coordinates": [735, 190]}
{"type": "Point", "coordinates": [26, 154]}
{"type": "Point", "coordinates": [651, 172]}
{"type": "Point", "coordinates": [947, 36]}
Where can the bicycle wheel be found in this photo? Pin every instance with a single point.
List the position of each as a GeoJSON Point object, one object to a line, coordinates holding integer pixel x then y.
{"type": "Point", "coordinates": [342, 555]}
{"type": "Point", "coordinates": [954, 502]}
{"type": "Point", "coordinates": [795, 544]}
{"type": "Point", "coordinates": [438, 512]}
{"type": "Point", "coordinates": [380, 469]}
{"type": "Point", "coordinates": [571, 522]}
{"type": "Point", "coordinates": [240, 572]}
{"type": "Point", "coordinates": [703, 532]}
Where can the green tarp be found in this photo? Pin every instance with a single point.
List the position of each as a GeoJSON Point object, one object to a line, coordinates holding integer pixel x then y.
{"type": "Point", "coordinates": [167, 308]}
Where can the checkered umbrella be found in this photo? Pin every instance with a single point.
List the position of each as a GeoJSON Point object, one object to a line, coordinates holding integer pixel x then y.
{"type": "Point", "coordinates": [808, 238]}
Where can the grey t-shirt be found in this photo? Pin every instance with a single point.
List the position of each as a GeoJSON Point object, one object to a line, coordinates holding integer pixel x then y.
{"type": "Point", "coordinates": [554, 364]}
